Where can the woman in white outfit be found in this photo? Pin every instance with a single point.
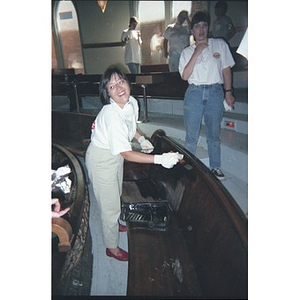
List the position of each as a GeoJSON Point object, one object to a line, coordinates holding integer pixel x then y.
{"type": "Point", "coordinates": [131, 39]}
{"type": "Point", "coordinates": [112, 133]}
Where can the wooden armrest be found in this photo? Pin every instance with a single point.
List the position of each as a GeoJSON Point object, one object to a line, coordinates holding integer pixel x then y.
{"type": "Point", "coordinates": [64, 231]}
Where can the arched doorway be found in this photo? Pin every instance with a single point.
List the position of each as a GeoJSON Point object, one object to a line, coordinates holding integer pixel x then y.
{"type": "Point", "coordinates": [66, 44]}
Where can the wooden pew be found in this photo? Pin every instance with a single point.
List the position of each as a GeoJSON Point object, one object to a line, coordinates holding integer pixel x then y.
{"type": "Point", "coordinates": [145, 86]}
{"type": "Point", "coordinates": [72, 130]}
{"type": "Point", "coordinates": [162, 85]}
{"type": "Point", "coordinates": [71, 255]}
{"type": "Point", "coordinates": [70, 71]}
{"type": "Point", "coordinates": [159, 261]}
{"type": "Point", "coordinates": [169, 86]}
{"type": "Point", "coordinates": [203, 253]}
{"type": "Point", "coordinates": [64, 85]}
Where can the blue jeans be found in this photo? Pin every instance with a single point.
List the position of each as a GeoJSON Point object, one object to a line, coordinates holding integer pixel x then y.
{"type": "Point", "coordinates": [204, 101]}
{"type": "Point", "coordinates": [134, 68]}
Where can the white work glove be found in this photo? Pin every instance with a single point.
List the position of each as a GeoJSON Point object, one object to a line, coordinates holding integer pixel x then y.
{"type": "Point", "coordinates": [146, 146]}
{"type": "Point", "coordinates": [168, 160]}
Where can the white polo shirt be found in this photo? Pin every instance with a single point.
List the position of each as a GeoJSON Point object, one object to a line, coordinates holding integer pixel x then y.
{"type": "Point", "coordinates": [209, 64]}
{"type": "Point", "coordinates": [114, 127]}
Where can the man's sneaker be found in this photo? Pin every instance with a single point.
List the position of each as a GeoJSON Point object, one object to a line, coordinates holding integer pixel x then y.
{"type": "Point", "coordinates": [218, 173]}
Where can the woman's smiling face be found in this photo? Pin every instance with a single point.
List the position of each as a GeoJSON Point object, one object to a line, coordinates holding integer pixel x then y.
{"type": "Point", "coordinates": [118, 89]}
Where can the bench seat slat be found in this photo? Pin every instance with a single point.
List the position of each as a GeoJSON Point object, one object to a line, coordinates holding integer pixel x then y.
{"type": "Point", "coordinates": [160, 264]}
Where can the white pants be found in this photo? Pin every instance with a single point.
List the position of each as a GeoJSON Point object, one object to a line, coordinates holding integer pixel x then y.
{"type": "Point", "coordinates": [106, 174]}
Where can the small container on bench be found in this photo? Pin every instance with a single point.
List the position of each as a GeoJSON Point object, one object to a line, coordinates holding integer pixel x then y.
{"type": "Point", "coordinates": [147, 215]}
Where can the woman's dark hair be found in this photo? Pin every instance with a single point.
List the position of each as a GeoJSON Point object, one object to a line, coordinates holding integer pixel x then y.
{"type": "Point", "coordinates": [200, 16]}
{"type": "Point", "coordinates": [106, 77]}
{"type": "Point", "coordinates": [132, 20]}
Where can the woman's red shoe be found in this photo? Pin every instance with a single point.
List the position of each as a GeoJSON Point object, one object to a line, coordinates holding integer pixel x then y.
{"type": "Point", "coordinates": [122, 228]}
{"type": "Point", "coordinates": [121, 254]}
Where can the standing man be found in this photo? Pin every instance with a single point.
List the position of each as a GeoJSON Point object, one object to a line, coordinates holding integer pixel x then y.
{"type": "Point", "coordinates": [131, 39]}
{"type": "Point", "coordinates": [177, 37]}
{"type": "Point", "coordinates": [206, 65]}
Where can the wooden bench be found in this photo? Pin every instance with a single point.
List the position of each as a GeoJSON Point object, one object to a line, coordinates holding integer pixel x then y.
{"type": "Point", "coordinates": [72, 130]}
{"type": "Point", "coordinates": [203, 253]}
{"type": "Point", "coordinates": [145, 86]}
{"type": "Point", "coordinates": [159, 261]}
{"type": "Point", "coordinates": [71, 255]}
{"type": "Point", "coordinates": [162, 85]}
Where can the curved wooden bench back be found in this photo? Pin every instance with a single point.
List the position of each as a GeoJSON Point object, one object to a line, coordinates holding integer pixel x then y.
{"type": "Point", "coordinates": [207, 235]}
